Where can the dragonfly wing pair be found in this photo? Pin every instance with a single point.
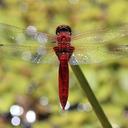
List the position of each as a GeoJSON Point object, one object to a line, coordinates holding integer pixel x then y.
{"type": "Point", "coordinates": [28, 44]}
{"type": "Point", "coordinates": [99, 45]}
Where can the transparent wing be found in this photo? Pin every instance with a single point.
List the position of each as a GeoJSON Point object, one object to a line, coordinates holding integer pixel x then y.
{"type": "Point", "coordinates": [101, 35]}
{"type": "Point", "coordinates": [29, 44]}
{"type": "Point", "coordinates": [98, 53]}
{"type": "Point", "coordinates": [34, 54]}
{"type": "Point", "coordinates": [100, 45]}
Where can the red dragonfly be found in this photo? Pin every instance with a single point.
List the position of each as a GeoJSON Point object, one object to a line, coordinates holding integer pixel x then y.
{"type": "Point", "coordinates": [93, 46]}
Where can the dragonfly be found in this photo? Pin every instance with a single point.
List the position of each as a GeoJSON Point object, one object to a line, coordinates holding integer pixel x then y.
{"type": "Point", "coordinates": [64, 48]}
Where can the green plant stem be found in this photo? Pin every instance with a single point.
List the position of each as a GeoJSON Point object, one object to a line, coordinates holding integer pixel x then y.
{"type": "Point", "coordinates": [91, 97]}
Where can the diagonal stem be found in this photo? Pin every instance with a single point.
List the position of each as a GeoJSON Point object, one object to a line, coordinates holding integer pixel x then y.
{"type": "Point", "coordinates": [91, 97]}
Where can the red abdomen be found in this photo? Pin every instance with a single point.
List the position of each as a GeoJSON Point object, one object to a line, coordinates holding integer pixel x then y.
{"type": "Point", "coordinates": [63, 83]}
{"type": "Point", "coordinates": [64, 55]}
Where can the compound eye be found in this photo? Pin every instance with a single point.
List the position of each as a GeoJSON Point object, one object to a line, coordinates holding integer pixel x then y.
{"type": "Point", "coordinates": [63, 28]}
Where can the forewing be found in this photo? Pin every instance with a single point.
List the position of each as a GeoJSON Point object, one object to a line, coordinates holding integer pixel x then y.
{"type": "Point", "coordinates": [101, 35]}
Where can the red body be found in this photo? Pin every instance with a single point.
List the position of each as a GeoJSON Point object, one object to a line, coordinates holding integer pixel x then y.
{"type": "Point", "coordinates": [63, 51]}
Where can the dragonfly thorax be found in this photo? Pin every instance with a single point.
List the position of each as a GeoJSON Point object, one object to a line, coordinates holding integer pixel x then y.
{"type": "Point", "coordinates": [63, 38]}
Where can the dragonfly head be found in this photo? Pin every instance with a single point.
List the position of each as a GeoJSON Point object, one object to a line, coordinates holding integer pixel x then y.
{"type": "Point", "coordinates": [63, 28]}
{"type": "Point", "coordinates": [63, 33]}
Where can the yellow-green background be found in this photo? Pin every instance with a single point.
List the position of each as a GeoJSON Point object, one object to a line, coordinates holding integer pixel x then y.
{"type": "Point", "coordinates": [28, 82]}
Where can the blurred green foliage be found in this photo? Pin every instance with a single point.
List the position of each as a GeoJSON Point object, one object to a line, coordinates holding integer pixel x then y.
{"type": "Point", "coordinates": [25, 83]}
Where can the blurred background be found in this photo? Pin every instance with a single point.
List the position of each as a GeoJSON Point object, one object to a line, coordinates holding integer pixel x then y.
{"type": "Point", "coordinates": [29, 92]}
